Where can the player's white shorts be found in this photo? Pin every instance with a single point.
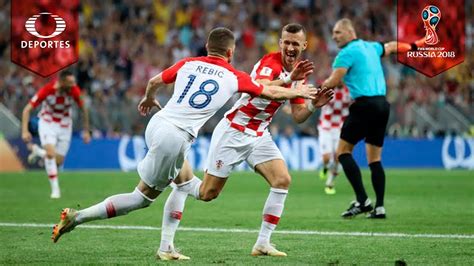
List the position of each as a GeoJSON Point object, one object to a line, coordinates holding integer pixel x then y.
{"type": "Point", "coordinates": [328, 140]}
{"type": "Point", "coordinates": [230, 147]}
{"type": "Point", "coordinates": [52, 133]}
{"type": "Point", "coordinates": [167, 145]}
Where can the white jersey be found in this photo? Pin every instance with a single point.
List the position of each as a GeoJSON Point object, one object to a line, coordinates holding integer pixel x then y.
{"type": "Point", "coordinates": [202, 86]}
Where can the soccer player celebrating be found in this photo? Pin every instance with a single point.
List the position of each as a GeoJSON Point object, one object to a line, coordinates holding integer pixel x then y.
{"type": "Point", "coordinates": [329, 128]}
{"type": "Point", "coordinates": [202, 85]}
{"type": "Point", "coordinates": [55, 124]}
{"type": "Point", "coordinates": [242, 135]}
{"type": "Point", "coordinates": [359, 65]}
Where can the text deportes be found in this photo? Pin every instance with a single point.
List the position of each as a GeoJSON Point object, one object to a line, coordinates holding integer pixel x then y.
{"type": "Point", "coordinates": [45, 44]}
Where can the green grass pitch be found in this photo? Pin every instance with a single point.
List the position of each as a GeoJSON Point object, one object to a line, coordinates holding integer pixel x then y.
{"type": "Point", "coordinates": [421, 205]}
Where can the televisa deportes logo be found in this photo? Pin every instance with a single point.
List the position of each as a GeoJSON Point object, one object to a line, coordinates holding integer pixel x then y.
{"type": "Point", "coordinates": [30, 26]}
{"type": "Point", "coordinates": [44, 35]}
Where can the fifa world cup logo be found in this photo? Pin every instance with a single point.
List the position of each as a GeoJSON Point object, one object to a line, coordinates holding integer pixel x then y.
{"type": "Point", "coordinates": [431, 16]}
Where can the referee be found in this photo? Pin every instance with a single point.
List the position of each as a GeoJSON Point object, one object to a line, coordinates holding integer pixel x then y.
{"type": "Point", "coordinates": [359, 65]}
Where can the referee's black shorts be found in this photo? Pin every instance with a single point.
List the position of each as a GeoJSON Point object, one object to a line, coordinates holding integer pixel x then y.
{"type": "Point", "coordinates": [368, 117]}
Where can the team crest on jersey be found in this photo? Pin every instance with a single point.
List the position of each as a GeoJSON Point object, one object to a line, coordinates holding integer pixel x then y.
{"type": "Point", "coordinates": [266, 71]}
{"type": "Point", "coordinates": [219, 164]}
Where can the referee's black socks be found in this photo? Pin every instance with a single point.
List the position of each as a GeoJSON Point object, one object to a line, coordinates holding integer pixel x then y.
{"type": "Point", "coordinates": [378, 181]}
{"type": "Point", "coordinates": [352, 171]}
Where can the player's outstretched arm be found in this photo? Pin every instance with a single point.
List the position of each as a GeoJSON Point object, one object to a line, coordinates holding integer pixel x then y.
{"type": "Point", "coordinates": [401, 47]}
{"type": "Point", "coordinates": [149, 101]}
{"type": "Point", "coordinates": [280, 93]}
{"type": "Point", "coordinates": [25, 117]}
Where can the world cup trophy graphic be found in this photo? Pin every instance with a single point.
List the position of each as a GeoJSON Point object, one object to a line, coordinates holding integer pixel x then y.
{"type": "Point", "coordinates": [431, 16]}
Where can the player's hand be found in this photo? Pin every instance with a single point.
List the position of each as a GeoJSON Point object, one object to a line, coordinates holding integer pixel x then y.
{"type": "Point", "coordinates": [86, 136]}
{"type": "Point", "coordinates": [26, 136]}
{"type": "Point", "coordinates": [307, 91]}
{"type": "Point", "coordinates": [323, 96]}
{"type": "Point", "coordinates": [146, 105]}
{"type": "Point", "coordinates": [302, 70]}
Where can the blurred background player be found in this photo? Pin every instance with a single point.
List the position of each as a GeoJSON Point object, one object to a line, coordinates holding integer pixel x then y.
{"type": "Point", "coordinates": [331, 118]}
{"type": "Point", "coordinates": [55, 124]}
{"type": "Point", "coordinates": [202, 85]}
{"type": "Point", "coordinates": [242, 135]}
{"type": "Point", "coordinates": [359, 65]}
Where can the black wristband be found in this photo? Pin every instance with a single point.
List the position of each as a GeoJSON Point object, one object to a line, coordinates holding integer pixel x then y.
{"type": "Point", "coordinates": [414, 47]}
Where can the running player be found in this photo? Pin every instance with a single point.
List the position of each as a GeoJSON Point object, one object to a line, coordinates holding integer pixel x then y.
{"type": "Point", "coordinates": [55, 124]}
{"type": "Point", "coordinates": [202, 86]}
{"type": "Point", "coordinates": [242, 135]}
{"type": "Point", "coordinates": [329, 128]}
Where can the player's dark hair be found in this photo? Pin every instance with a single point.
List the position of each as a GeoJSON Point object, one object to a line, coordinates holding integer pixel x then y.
{"type": "Point", "coordinates": [294, 28]}
{"type": "Point", "coordinates": [65, 73]}
{"type": "Point", "coordinates": [219, 40]}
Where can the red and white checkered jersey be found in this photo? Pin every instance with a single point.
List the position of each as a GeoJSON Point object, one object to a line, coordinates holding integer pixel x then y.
{"type": "Point", "coordinates": [202, 86]}
{"type": "Point", "coordinates": [252, 115]}
{"type": "Point", "coordinates": [335, 112]}
{"type": "Point", "coordinates": [56, 105]}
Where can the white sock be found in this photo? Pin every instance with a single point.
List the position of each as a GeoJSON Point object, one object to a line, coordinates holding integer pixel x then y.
{"type": "Point", "coordinates": [112, 206]}
{"type": "Point", "coordinates": [271, 214]}
{"type": "Point", "coordinates": [38, 151]}
{"type": "Point", "coordinates": [191, 187]}
{"type": "Point", "coordinates": [172, 213]}
{"type": "Point", "coordinates": [52, 171]}
{"type": "Point", "coordinates": [330, 180]}
{"type": "Point", "coordinates": [332, 174]}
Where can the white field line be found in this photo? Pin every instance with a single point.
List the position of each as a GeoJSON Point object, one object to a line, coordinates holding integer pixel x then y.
{"type": "Point", "coordinates": [235, 230]}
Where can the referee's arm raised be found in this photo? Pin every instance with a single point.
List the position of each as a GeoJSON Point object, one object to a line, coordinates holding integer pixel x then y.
{"type": "Point", "coordinates": [389, 48]}
{"type": "Point", "coordinates": [400, 47]}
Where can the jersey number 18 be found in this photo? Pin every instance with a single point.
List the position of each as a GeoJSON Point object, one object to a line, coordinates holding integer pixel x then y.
{"type": "Point", "coordinates": [202, 91]}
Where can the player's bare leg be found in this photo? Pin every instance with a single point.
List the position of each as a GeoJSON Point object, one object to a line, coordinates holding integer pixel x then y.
{"type": "Point", "coordinates": [276, 174]}
{"type": "Point", "coordinates": [39, 153]}
{"type": "Point", "coordinates": [172, 213]}
{"type": "Point", "coordinates": [36, 153]}
{"type": "Point", "coordinates": [59, 160]}
{"type": "Point", "coordinates": [211, 187]}
{"type": "Point", "coordinates": [113, 206]}
{"type": "Point", "coordinates": [51, 167]}
{"type": "Point", "coordinates": [374, 158]}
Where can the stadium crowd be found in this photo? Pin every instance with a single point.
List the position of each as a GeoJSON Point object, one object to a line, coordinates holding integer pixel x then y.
{"type": "Point", "coordinates": [124, 43]}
